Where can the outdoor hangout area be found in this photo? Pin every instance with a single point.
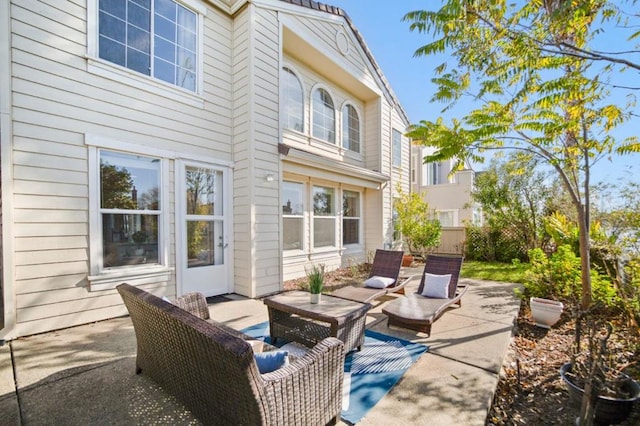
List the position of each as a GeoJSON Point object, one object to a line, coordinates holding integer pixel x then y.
{"type": "Point", "coordinates": [195, 360]}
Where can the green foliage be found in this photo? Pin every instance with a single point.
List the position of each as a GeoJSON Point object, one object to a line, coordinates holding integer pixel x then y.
{"type": "Point", "coordinates": [116, 187]}
{"type": "Point", "coordinates": [494, 271]}
{"type": "Point", "coordinates": [315, 278]}
{"type": "Point", "coordinates": [558, 277]}
{"type": "Point", "coordinates": [494, 244]}
{"type": "Point", "coordinates": [420, 233]}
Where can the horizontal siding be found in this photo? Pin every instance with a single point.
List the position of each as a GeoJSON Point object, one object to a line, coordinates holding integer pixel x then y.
{"type": "Point", "coordinates": [56, 102]}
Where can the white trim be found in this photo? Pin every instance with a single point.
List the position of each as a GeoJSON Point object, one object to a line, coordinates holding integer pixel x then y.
{"type": "Point", "coordinates": [297, 75]}
{"type": "Point", "coordinates": [6, 157]}
{"type": "Point", "coordinates": [135, 277]}
{"type": "Point", "coordinates": [104, 68]}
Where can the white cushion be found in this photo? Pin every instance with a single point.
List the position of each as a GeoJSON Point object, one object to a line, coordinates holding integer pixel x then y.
{"type": "Point", "coordinates": [379, 282]}
{"type": "Point", "coordinates": [436, 286]}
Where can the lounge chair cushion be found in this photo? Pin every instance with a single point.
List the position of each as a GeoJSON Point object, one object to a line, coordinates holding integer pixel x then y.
{"type": "Point", "coordinates": [271, 361]}
{"type": "Point", "coordinates": [379, 282]}
{"type": "Point", "coordinates": [436, 286]}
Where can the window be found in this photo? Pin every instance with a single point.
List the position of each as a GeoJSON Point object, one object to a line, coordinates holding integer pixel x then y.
{"type": "Point", "coordinates": [324, 116]}
{"type": "Point", "coordinates": [397, 148]}
{"type": "Point", "coordinates": [431, 173]}
{"type": "Point", "coordinates": [293, 215]}
{"type": "Point", "coordinates": [350, 128]}
{"type": "Point", "coordinates": [293, 102]}
{"type": "Point", "coordinates": [130, 209]}
{"type": "Point", "coordinates": [153, 37]}
{"type": "Point", "coordinates": [350, 217]}
{"type": "Point", "coordinates": [324, 219]}
{"type": "Point", "coordinates": [447, 217]}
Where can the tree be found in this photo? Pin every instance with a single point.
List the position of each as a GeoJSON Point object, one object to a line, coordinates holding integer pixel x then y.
{"type": "Point", "coordinates": [529, 67]}
{"type": "Point", "coordinates": [514, 194]}
{"type": "Point", "coordinates": [419, 232]}
{"type": "Point", "coordinates": [533, 69]}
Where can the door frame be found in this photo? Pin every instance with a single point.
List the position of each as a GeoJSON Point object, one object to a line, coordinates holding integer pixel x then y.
{"type": "Point", "coordinates": [180, 218]}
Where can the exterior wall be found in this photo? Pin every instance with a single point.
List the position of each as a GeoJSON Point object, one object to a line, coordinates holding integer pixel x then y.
{"type": "Point", "coordinates": [59, 103]}
{"type": "Point", "coordinates": [58, 99]}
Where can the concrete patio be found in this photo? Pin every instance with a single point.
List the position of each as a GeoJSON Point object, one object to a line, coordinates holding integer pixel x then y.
{"type": "Point", "coordinates": [86, 375]}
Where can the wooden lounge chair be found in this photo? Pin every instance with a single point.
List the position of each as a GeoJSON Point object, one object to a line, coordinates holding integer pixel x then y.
{"type": "Point", "coordinates": [417, 312]}
{"type": "Point", "coordinates": [386, 264]}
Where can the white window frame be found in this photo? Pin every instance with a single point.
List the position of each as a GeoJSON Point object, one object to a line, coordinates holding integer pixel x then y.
{"type": "Point", "coordinates": [284, 99]}
{"type": "Point", "coordinates": [454, 216]}
{"type": "Point", "coordinates": [104, 68]}
{"type": "Point", "coordinates": [396, 148]}
{"type": "Point", "coordinates": [315, 89]}
{"type": "Point", "coordinates": [336, 237]}
{"type": "Point", "coordinates": [354, 218]}
{"type": "Point", "coordinates": [103, 279]}
{"type": "Point", "coordinates": [342, 127]}
{"type": "Point", "coordinates": [304, 215]}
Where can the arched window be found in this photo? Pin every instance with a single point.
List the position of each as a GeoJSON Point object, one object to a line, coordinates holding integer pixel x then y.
{"type": "Point", "coordinates": [324, 116]}
{"type": "Point", "coordinates": [293, 102]}
{"type": "Point", "coordinates": [350, 128]}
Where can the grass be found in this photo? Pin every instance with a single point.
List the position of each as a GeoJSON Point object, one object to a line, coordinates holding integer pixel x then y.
{"type": "Point", "coordinates": [494, 271]}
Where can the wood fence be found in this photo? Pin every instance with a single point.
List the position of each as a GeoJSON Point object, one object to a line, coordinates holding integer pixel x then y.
{"type": "Point", "coordinates": [451, 241]}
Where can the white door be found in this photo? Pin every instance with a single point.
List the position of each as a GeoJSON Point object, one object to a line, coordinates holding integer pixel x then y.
{"type": "Point", "coordinates": [202, 200]}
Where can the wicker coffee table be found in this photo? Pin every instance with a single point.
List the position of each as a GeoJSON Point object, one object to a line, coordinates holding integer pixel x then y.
{"type": "Point", "coordinates": [293, 318]}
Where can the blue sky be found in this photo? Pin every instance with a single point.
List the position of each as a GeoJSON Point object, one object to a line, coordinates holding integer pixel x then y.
{"type": "Point", "coordinates": [392, 44]}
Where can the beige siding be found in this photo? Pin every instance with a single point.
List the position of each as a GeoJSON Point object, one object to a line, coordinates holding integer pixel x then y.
{"type": "Point", "coordinates": [55, 103]}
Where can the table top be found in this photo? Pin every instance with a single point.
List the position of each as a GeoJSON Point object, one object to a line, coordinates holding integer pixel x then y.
{"type": "Point", "coordinates": [330, 307]}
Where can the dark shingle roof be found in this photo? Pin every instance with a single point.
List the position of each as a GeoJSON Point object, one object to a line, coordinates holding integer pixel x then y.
{"type": "Point", "coordinates": [311, 4]}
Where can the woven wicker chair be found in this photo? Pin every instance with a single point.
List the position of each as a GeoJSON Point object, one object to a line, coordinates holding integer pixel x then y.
{"type": "Point", "coordinates": [210, 368]}
{"type": "Point", "coordinates": [417, 312]}
{"type": "Point", "coordinates": [386, 263]}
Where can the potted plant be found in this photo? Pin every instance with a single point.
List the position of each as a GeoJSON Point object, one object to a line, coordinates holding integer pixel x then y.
{"type": "Point", "coordinates": [614, 393]}
{"type": "Point", "coordinates": [315, 278]}
{"type": "Point", "coordinates": [545, 312]}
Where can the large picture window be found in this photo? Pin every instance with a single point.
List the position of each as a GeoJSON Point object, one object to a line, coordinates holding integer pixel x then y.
{"type": "Point", "coordinates": [324, 116]}
{"type": "Point", "coordinates": [292, 101]}
{"type": "Point", "coordinates": [153, 37]}
{"type": "Point", "coordinates": [130, 208]}
{"type": "Point", "coordinates": [324, 217]}
{"type": "Point", "coordinates": [293, 215]}
{"type": "Point", "coordinates": [350, 217]}
{"type": "Point", "coordinates": [350, 128]}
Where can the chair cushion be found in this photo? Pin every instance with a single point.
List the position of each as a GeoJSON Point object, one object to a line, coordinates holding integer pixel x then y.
{"type": "Point", "coordinates": [379, 282]}
{"type": "Point", "coordinates": [436, 286]}
{"type": "Point", "coordinates": [271, 361]}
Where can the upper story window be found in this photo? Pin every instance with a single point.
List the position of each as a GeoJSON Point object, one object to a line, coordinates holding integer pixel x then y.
{"type": "Point", "coordinates": [324, 116]}
{"type": "Point", "coordinates": [292, 101]}
{"type": "Point", "coordinates": [350, 128]}
{"type": "Point", "coordinates": [431, 174]}
{"type": "Point", "coordinates": [396, 153]}
{"type": "Point", "coordinates": [130, 209]}
{"type": "Point", "coordinates": [158, 38]}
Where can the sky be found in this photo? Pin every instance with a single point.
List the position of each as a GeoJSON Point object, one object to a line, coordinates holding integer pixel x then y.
{"type": "Point", "coordinates": [393, 46]}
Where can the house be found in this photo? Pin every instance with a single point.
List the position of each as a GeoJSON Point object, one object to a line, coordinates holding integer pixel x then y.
{"type": "Point", "coordinates": [448, 194]}
{"type": "Point", "coordinates": [219, 146]}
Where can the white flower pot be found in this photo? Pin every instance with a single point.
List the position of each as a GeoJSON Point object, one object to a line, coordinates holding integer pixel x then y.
{"type": "Point", "coordinates": [314, 297]}
{"type": "Point", "coordinates": [545, 312]}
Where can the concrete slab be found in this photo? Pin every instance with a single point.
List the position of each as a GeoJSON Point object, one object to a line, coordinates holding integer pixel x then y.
{"type": "Point", "coordinates": [8, 397]}
{"type": "Point", "coordinates": [52, 356]}
{"type": "Point", "coordinates": [436, 391]}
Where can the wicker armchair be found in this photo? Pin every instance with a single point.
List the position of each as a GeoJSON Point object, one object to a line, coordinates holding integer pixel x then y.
{"type": "Point", "coordinates": [210, 368]}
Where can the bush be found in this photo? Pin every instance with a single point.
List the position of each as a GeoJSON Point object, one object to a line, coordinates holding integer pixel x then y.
{"type": "Point", "coordinates": [558, 277]}
{"type": "Point", "coordinates": [492, 244]}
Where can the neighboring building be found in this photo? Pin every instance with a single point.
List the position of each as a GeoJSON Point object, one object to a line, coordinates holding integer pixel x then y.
{"type": "Point", "coordinates": [449, 195]}
{"type": "Point", "coordinates": [219, 146]}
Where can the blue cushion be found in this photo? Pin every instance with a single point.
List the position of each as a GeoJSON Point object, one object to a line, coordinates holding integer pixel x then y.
{"type": "Point", "coordinates": [272, 360]}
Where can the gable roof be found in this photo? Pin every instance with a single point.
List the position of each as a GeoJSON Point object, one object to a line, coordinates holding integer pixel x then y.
{"type": "Point", "coordinates": [312, 4]}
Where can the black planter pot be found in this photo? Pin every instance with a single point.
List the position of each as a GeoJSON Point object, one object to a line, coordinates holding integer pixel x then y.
{"type": "Point", "coordinates": [609, 411]}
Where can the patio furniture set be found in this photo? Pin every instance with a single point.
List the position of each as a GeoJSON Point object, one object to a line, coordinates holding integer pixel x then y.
{"type": "Point", "coordinates": [213, 369]}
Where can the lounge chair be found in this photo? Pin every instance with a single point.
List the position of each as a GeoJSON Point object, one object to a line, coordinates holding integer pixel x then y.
{"type": "Point", "coordinates": [386, 266]}
{"type": "Point", "coordinates": [417, 312]}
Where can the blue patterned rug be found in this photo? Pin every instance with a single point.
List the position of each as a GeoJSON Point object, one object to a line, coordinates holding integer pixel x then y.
{"type": "Point", "coordinates": [369, 374]}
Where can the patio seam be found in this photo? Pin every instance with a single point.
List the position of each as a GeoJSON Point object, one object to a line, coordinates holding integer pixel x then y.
{"type": "Point", "coordinates": [15, 382]}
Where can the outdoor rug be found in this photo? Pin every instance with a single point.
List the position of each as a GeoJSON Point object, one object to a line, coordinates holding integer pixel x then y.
{"type": "Point", "coordinates": [370, 373]}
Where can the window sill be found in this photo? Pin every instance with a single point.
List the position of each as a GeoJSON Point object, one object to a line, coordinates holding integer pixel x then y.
{"type": "Point", "coordinates": [140, 81]}
{"type": "Point", "coordinates": [135, 277]}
